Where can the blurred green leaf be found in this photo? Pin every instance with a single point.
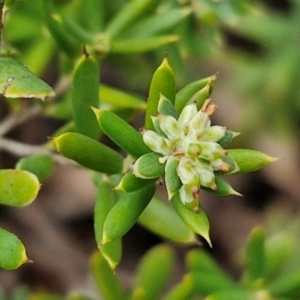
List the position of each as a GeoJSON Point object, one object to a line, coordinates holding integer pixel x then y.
{"type": "Point", "coordinates": [12, 251]}
{"type": "Point", "coordinates": [18, 187]}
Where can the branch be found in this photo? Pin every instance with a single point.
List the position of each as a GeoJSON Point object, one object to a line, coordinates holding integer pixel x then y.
{"type": "Point", "coordinates": [14, 119]}
{"type": "Point", "coordinates": [21, 149]}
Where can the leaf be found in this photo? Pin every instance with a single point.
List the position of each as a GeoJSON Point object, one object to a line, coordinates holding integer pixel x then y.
{"type": "Point", "coordinates": [196, 221]}
{"type": "Point", "coordinates": [18, 187]}
{"type": "Point", "coordinates": [17, 81]}
{"type": "Point", "coordinates": [153, 272]}
{"type": "Point", "coordinates": [41, 165]}
{"type": "Point", "coordinates": [12, 251]}
{"type": "Point", "coordinates": [106, 281]}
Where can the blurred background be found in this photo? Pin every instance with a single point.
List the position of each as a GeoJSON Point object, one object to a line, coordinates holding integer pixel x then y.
{"type": "Point", "coordinates": [254, 47]}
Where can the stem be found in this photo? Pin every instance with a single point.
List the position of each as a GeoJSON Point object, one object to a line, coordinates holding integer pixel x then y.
{"type": "Point", "coordinates": [21, 149]}
{"type": "Point", "coordinates": [14, 119]}
{"type": "Point", "coordinates": [1, 21]}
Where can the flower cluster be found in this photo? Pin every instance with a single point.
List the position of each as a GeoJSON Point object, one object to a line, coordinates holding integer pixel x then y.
{"type": "Point", "coordinates": [194, 144]}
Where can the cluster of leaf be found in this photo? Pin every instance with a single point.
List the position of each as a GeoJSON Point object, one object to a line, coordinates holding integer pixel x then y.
{"type": "Point", "coordinates": [19, 187]}
{"type": "Point", "coordinates": [266, 274]}
{"type": "Point", "coordinates": [126, 31]}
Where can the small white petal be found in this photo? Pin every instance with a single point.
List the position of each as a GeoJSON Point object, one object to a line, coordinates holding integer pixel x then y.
{"type": "Point", "coordinates": [186, 116]}
{"type": "Point", "coordinates": [198, 124]}
{"type": "Point", "coordinates": [186, 195]}
{"type": "Point", "coordinates": [213, 134]}
{"type": "Point", "coordinates": [206, 174]}
{"type": "Point", "coordinates": [156, 143]}
{"type": "Point", "coordinates": [211, 151]}
{"type": "Point", "coordinates": [192, 148]}
{"type": "Point", "coordinates": [187, 172]}
{"type": "Point", "coordinates": [170, 127]}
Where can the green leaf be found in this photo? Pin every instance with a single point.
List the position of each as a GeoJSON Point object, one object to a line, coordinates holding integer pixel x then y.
{"type": "Point", "coordinates": [200, 260]}
{"type": "Point", "coordinates": [123, 45]}
{"type": "Point", "coordinates": [161, 218]}
{"type": "Point", "coordinates": [166, 107]}
{"type": "Point", "coordinates": [127, 15]}
{"type": "Point", "coordinates": [105, 200]}
{"type": "Point", "coordinates": [287, 285]}
{"type": "Point", "coordinates": [120, 132]}
{"type": "Point", "coordinates": [125, 213]}
{"type": "Point", "coordinates": [17, 81]}
{"type": "Point", "coordinates": [18, 187]}
{"type": "Point", "coordinates": [196, 221]}
{"type": "Point", "coordinates": [89, 153]}
{"type": "Point", "coordinates": [12, 251]}
{"type": "Point", "coordinates": [148, 166]}
{"type": "Point", "coordinates": [223, 188]}
{"type": "Point", "coordinates": [162, 83]}
{"type": "Point", "coordinates": [159, 23]}
{"type": "Point", "coordinates": [41, 165]}
{"type": "Point", "coordinates": [153, 271]}
{"type": "Point", "coordinates": [107, 282]}
{"type": "Point", "coordinates": [130, 183]}
{"type": "Point", "coordinates": [278, 249]}
{"type": "Point", "coordinates": [190, 92]}
{"type": "Point", "coordinates": [85, 93]}
{"type": "Point", "coordinates": [249, 160]}
{"type": "Point", "coordinates": [255, 264]}
{"type": "Point", "coordinates": [120, 99]}
{"type": "Point", "coordinates": [206, 283]}
{"type": "Point", "coordinates": [181, 291]}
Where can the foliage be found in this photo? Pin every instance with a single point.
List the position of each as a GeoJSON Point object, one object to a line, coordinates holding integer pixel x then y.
{"type": "Point", "coordinates": [177, 146]}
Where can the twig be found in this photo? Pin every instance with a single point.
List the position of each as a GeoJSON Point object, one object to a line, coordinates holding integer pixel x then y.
{"type": "Point", "coordinates": [20, 149]}
{"type": "Point", "coordinates": [14, 119]}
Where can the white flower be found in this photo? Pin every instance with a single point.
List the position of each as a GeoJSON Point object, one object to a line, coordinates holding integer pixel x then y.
{"type": "Point", "coordinates": [194, 143]}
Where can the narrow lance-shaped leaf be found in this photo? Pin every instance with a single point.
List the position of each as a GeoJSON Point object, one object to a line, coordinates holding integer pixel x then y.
{"type": "Point", "coordinates": [159, 23]}
{"type": "Point", "coordinates": [255, 256]}
{"type": "Point", "coordinates": [12, 251]}
{"type": "Point", "coordinates": [120, 99]}
{"type": "Point", "coordinates": [162, 219]}
{"type": "Point", "coordinates": [105, 200]}
{"type": "Point", "coordinates": [196, 221]}
{"type": "Point", "coordinates": [187, 93]}
{"type": "Point", "coordinates": [85, 94]}
{"type": "Point", "coordinates": [127, 15]}
{"type": "Point", "coordinates": [57, 31]}
{"type": "Point", "coordinates": [162, 83]}
{"type": "Point", "coordinates": [223, 188]}
{"type": "Point", "coordinates": [126, 212]}
{"type": "Point", "coordinates": [249, 160]}
{"type": "Point", "coordinates": [181, 291]}
{"type": "Point", "coordinates": [106, 281]}
{"type": "Point", "coordinates": [153, 272]}
{"type": "Point", "coordinates": [142, 45]}
{"type": "Point", "coordinates": [120, 132]}
{"type": "Point", "coordinates": [89, 153]}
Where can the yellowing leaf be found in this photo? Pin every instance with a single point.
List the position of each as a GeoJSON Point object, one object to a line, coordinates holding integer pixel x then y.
{"type": "Point", "coordinates": [12, 251]}
{"type": "Point", "coordinates": [17, 81]}
{"type": "Point", "coordinates": [18, 187]}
